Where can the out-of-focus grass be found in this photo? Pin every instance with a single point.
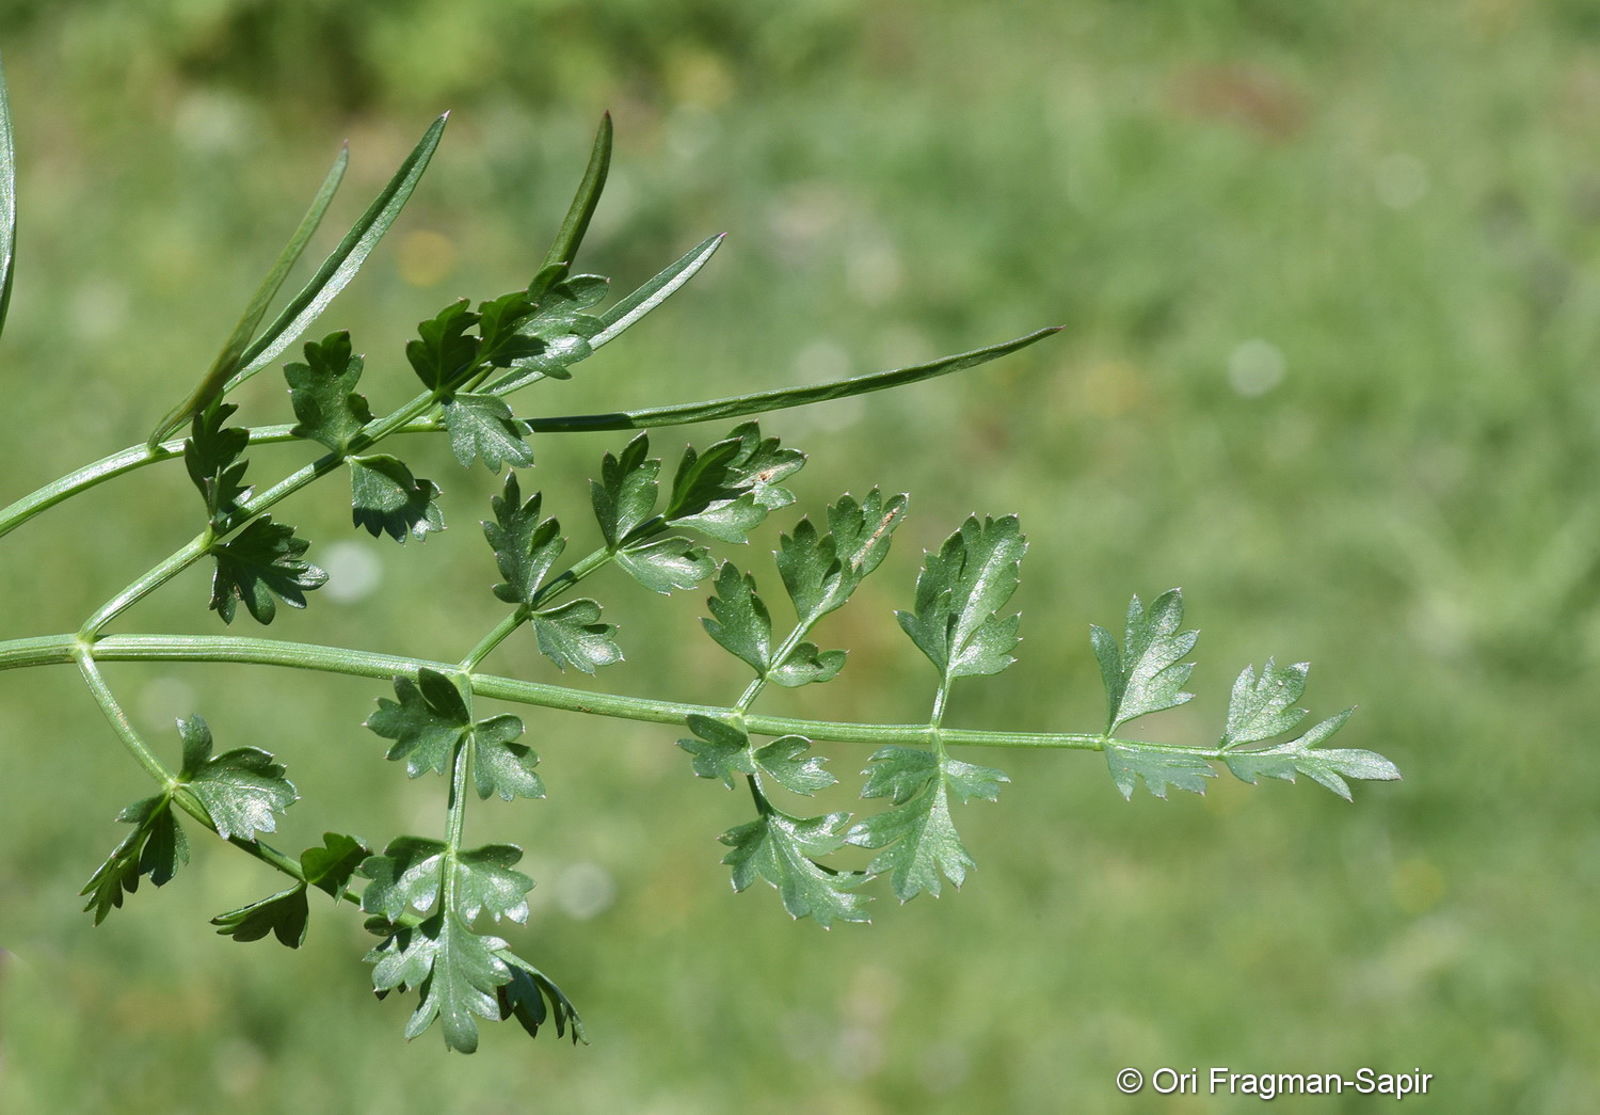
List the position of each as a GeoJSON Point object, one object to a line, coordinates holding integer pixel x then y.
{"type": "Point", "coordinates": [1327, 272]}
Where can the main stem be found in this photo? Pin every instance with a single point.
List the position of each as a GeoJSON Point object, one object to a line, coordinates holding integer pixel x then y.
{"type": "Point", "coordinates": [62, 650]}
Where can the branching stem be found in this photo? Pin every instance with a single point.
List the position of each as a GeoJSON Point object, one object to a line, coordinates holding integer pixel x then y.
{"type": "Point", "coordinates": [61, 650]}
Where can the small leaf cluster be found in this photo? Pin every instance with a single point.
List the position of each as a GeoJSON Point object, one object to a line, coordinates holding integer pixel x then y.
{"type": "Point", "coordinates": [1146, 674]}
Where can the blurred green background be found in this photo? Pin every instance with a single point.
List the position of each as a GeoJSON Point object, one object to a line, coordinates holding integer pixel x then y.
{"type": "Point", "coordinates": [1327, 272]}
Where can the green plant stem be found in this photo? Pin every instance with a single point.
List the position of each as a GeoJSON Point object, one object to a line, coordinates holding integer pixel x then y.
{"type": "Point", "coordinates": [61, 650]}
{"type": "Point", "coordinates": [197, 547]}
{"type": "Point", "coordinates": [120, 723]}
{"type": "Point", "coordinates": [731, 406]}
{"type": "Point", "coordinates": [157, 770]}
{"type": "Point", "coordinates": [596, 561]}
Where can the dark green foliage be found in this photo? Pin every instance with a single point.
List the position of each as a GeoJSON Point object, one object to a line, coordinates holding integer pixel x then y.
{"type": "Point", "coordinates": [322, 391]}
{"type": "Point", "coordinates": [212, 457]}
{"type": "Point", "coordinates": [428, 897]}
{"type": "Point", "coordinates": [430, 719]}
{"type": "Point", "coordinates": [481, 427]}
{"type": "Point", "coordinates": [572, 635]}
{"type": "Point", "coordinates": [387, 499]}
{"type": "Point", "coordinates": [285, 915]}
{"type": "Point", "coordinates": [525, 546]}
{"type": "Point", "coordinates": [156, 847]}
{"type": "Point", "coordinates": [261, 565]}
{"type": "Point", "coordinates": [241, 790]}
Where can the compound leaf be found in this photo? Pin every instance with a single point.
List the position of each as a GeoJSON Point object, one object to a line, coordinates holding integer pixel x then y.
{"type": "Point", "coordinates": [286, 915]}
{"type": "Point", "coordinates": [261, 565]}
{"type": "Point", "coordinates": [1147, 673]}
{"type": "Point", "coordinates": [525, 546]}
{"type": "Point", "coordinates": [955, 620]}
{"type": "Point", "coordinates": [917, 834]}
{"type": "Point", "coordinates": [1327, 768]}
{"type": "Point", "coordinates": [739, 621]}
{"type": "Point", "coordinates": [782, 849]}
{"type": "Point", "coordinates": [572, 635]}
{"type": "Point", "coordinates": [387, 499]}
{"type": "Point", "coordinates": [156, 847]}
{"type": "Point", "coordinates": [1159, 769]}
{"type": "Point", "coordinates": [481, 427]}
{"type": "Point", "coordinates": [241, 789]}
{"type": "Point", "coordinates": [322, 392]}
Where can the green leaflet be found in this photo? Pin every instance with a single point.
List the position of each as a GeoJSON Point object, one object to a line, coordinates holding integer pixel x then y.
{"type": "Point", "coordinates": [286, 915]}
{"type": "Point", "coordinates": [482, 428]}
{"type": "Point", "coordinates": [821, 571]}
{"type": "Point", "coordinates": [526, 995]}
{"type": "Point", "coordinates": [955, 620]}
{"type": "Point", "coordinates": [443, 352]}
{"type": "Point", "coordinates": [330, 865]}
{"type": "Point", "coordinates": [456, 971]}
{"type": "Point", "coordinates": [386, 499]}
{"type": "Point", "coordinates": [624, 497]}
{"type": "Point", "coordinates": [1327, 768]}
{"type": "Point", "coordinates": [434, 715]}
{"type": "Point", "coordinates": [564, 249]}
{"type": "Point", "coordinates": [551, 336]}
{"type": "Point", "coordinates": [739, 621]}
{"type": "Point", "coordinates": [783, 849]}
{"type": "Point", "coordinates": [572, 635]}
{"type": "Point", "coordinates": [322, 391]}
{"type": "Point", "coordinates": [242, 790]}
{"type": "Point", "coordinates": [211, 456]}
{"type": "Point", "coordinates": [1146, 674]}
{"type": "Point", "coordinates": [667, 564]}
{"type": "Point", "coordinates": [525, 546]}
{"type": "Point", "coordinates": [261, 565]}
{"type": "Point", "coordinates": [1159, 769]}
{"type": "Point", "coordinates": [917, 836]}
{"type": "Point", "coordinates": [728, 490]}
{"type": "Point", "coordinates": [626, 312]}
{"type": "Point", "coordinates": [343, 262]}
{"type": "Point", "coordinates": [723, 752]}
{"type": "Point", "coordinates": [1261, 708]}
{"type": "Point", "coordinates": [156, 847]}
